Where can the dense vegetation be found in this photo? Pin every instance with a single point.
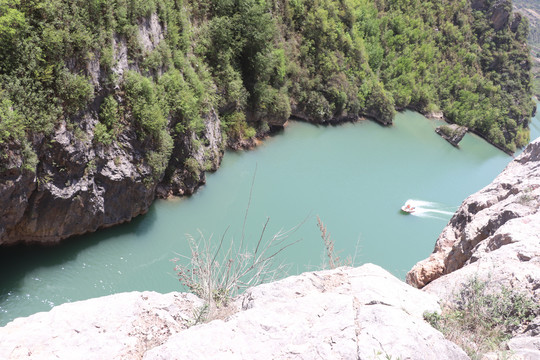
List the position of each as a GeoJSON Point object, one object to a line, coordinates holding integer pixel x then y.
{"type": "Point", "coordinates": [257, 62]}
{"type": "Point", "coordinates": [531, 10]}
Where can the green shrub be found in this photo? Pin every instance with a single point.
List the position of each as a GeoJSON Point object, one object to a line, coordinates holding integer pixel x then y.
{"type": "Point", "coordinates": [236, 127]}
{"type": "Point", "coordinates": [11, 124]}
{"type": "Point", "coordinates": [102, 135]}
{"type": "Point", "coordinates": [141, 96]}
{"type": "Point", "coordinates": [105, 131]}
{"type": "Point", "coordinates": [158, 159]}
{"type": "Point", "coordinates": [75, 91]}
{"type": "Point", "coordinates": [193, 167]}
{"type": "Point", "coordinates": [109, 112]}
{"type": "Point", "coordinates": [480, 320]}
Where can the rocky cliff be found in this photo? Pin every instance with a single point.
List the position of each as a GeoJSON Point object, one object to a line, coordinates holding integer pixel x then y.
{"type": "Point", "coordinates": [348, 313]}
{"type": "Point", "coordinates": [494, 237]}
{"type": "Point", "coordinates": [81, 182]}
{"type": "Point", "coordinates": [362, 313]}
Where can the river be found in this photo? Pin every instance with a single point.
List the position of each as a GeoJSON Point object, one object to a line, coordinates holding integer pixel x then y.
{"type": "Point", "coordinates": [354, 176]}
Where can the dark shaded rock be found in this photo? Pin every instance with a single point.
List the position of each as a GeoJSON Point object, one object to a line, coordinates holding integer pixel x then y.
{"type": "Point", "coordinates": [192, 156]}
{"type": "Point", "coordinates": [479, 4]}
{"type": "Point", "coordinates": [500, 15]}
{"type": "Point", "coordinates": [452, 133]}
{"type": "Point", "coordinates": [16, 187]}
{"type": "Point", "coordinates": [515, 22]}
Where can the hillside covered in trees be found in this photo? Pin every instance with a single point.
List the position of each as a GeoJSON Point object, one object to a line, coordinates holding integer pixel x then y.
{"type": "Point", "coordinates": [531, 10]}
{"type": "Point", "coordinates": [100, 96]}
{"type": "Point", "coordinates": [258, 62]}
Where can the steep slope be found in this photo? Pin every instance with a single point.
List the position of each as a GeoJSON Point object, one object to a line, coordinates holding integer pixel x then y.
{"type": "Point", "coordinates": [531, 10]}
{"type": "Point", "coordinates": [105, 105]}
{"type": "Point", "coordinates": [494, 237]}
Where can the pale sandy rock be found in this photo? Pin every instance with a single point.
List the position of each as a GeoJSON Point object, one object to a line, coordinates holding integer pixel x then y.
{"type": "Point", "coordinates": [151, 33]}
{"type": "Point", "coordinates": [120, 326]}
{"type": "Point", "coordinates": [525, 347]}
{"type": "Point", "coordinates": [346, 313]}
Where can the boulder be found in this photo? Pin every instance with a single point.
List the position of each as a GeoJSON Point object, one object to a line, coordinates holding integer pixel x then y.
{"type": "Point", "coordinates": [500, 15]}
{"type": "Point", "coordinates": [452, 133]}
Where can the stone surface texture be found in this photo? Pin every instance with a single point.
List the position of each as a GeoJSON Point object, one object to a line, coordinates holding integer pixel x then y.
{"type": "Point", "coordinates": [346, 313]}
{"type": "Point", "coordinates": [494, 237]}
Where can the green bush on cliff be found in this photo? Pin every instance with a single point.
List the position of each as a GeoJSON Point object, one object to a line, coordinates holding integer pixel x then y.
{"type": "Point", "coordinates": [480, 320]}
{"type": "Point", "coordinates": [265, 59]}
{"type": "Point", "coordinates": [106, 129]}
{"type": "Point", "coordinates": [10, 124]}
{"type": "Point", "coordinates": [142, 99]}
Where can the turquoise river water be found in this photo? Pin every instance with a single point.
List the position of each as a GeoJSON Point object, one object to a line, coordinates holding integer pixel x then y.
{"type": "Point", "coordinates": [354, 176]}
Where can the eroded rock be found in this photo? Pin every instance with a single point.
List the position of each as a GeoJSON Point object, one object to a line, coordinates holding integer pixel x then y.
{"type": "Point", "coordinates": [513, 195]}
{"type": "Point", "coordinates": [452, 133]}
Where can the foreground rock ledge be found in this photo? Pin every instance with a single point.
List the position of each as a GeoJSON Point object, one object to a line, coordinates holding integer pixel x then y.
{"type": "Point", "coordinates": [499, 216]}
{"type": "Point", "coordinates": [347, 313]}
{"type": "Point", "coordinates": [494, 237]}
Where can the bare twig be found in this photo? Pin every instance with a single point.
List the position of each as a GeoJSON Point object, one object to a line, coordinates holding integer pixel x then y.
{"type": "Point", "coordinates": [333, 259]}
{"type": "Point", "coordinates": [216, 274]}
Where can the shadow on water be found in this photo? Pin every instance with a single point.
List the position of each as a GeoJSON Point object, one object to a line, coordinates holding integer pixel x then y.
{"type": "Point", "coordinates": [17, 262]}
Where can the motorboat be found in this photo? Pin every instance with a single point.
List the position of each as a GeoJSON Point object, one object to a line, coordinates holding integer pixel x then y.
{"type": "Point", "coordinates": [407, 208]}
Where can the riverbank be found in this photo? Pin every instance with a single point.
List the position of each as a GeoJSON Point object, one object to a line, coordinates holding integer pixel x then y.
{"type": "Point", "coordinates": [362, 312]}
{"type": "Point", "coordinates": [350, 175]}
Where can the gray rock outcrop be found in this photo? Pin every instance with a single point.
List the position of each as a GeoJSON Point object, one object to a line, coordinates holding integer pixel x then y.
{"type": "Point", "coordinates": [452, 133]}
{"type": "Point", "coordinates": [494, 237]}
{"type": "Point", "coordinates": [347, 313]}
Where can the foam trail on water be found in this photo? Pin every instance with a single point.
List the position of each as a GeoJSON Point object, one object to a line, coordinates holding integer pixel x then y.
{"type": "Point", "coordinates": [428, 209]}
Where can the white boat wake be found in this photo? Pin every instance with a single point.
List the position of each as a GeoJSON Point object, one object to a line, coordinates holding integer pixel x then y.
{"type": "Point", "coordinates": [428, 209]}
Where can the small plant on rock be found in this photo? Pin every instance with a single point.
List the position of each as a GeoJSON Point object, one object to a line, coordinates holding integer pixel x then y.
{"type": "Point", "coordinates": [481, 320]}
{"type": "Point", "coordinates": [216, 272]}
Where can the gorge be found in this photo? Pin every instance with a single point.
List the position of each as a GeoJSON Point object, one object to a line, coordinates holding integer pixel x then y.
{"type": "Point", "coordinates": [362, 313]}
{"type": "Point", "coordinates": [357, 197]}
{"type": "Point", "coordinates": [108, 106]}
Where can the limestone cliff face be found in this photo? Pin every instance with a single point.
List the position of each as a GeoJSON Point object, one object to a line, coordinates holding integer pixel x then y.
{"type": "Point", "coordinates": [494, 237]}
{"type": "Point", "coordinates": [348, 313]}
{"type": "Point", "coordinates": [79, 184]}
{"type": "Point", "coordinates": [503, 213]}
